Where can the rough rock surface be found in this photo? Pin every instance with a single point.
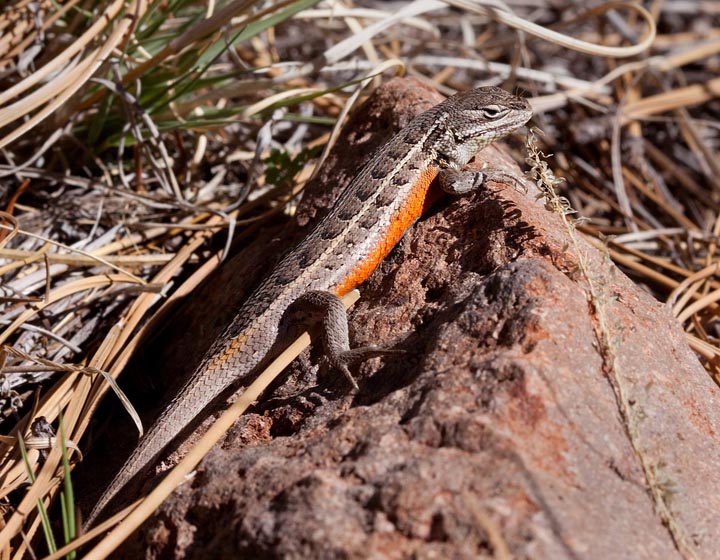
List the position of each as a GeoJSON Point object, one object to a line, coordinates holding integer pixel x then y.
{"type": "Point", "coordinates": [506, 427]}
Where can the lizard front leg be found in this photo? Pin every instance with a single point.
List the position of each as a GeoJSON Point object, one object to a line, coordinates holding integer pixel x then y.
{"type": "Point", "coordinates": [452, 155]}
{"type": "Point", "coordinates": [463, 181]}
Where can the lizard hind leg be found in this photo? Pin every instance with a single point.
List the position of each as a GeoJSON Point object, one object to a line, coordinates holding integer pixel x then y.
{"type": "Point", "coordinates": [327, 310]}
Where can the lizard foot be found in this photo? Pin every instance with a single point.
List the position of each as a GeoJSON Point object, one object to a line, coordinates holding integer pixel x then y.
{"type": "Point", "coordinates": [342, 360]}
{"type": "Point", "coordinates": [463, 181]}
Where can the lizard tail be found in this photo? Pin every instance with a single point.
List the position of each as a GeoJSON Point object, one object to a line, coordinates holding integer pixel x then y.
{"type": "Point", "coordinates": [222, 365]}
{"type": "Point", "coordinates": [197, 393]}
{"type": "Point", "coordinates": [144, 455]}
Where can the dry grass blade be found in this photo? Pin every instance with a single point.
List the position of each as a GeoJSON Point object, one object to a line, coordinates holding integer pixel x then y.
{"type": "Point", "coordinates": [57, 92]}
{"type": "Point", "coordinates": [24, 258]}
{"type": "Point", "coordinates": [80, 370]}
{"type": "Point", "coordinates": [65, 57]}
{"type": "Point", "coordinates": [690, 287]}
{"type": "Point", "coordinates": [60, 293]}
{"type": "Point", "coordinates": [349, 104]}
{"type": "Point", "coordinates": [205, 28]}
{"type": "Point", "coordinates": [510, 19]}
{"type": "Point", "coordinates": [98, 259]}
{"type": "Point", "coordinates": [706, 301]}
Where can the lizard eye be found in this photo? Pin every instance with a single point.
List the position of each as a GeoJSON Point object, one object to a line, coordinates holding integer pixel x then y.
{"type": "Point", "coordinates": [493, 111]}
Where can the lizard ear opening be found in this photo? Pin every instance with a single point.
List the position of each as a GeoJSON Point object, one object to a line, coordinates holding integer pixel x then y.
{"type": "Point", "coordinates": [442, 160]}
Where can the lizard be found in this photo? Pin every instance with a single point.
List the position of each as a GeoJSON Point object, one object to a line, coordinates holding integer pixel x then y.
{"type": "Point", "coordinates": [388, 194]}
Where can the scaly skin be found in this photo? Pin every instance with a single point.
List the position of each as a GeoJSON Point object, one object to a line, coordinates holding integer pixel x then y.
{"type": "Point", "coordinates": [368, 219]}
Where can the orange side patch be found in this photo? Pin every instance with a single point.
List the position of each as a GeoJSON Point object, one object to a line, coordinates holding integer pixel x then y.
{"type": "Point", "coordinates": [417, 202]}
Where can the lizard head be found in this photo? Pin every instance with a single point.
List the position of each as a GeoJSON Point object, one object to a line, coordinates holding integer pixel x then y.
{"type": "Point", "coordinates": [486, 114]}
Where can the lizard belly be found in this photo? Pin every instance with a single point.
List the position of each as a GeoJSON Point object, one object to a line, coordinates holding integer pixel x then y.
{"type": "Point", "coordinates": [416, 203]}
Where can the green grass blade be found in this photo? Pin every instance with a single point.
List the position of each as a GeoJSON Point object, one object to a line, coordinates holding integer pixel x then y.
{"type": "Point", "coordinates": [255, 27]}
{"type": "Point", "coordinates": [67, 496]}
{"type": "Point", "coordinates": [44, 519]}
